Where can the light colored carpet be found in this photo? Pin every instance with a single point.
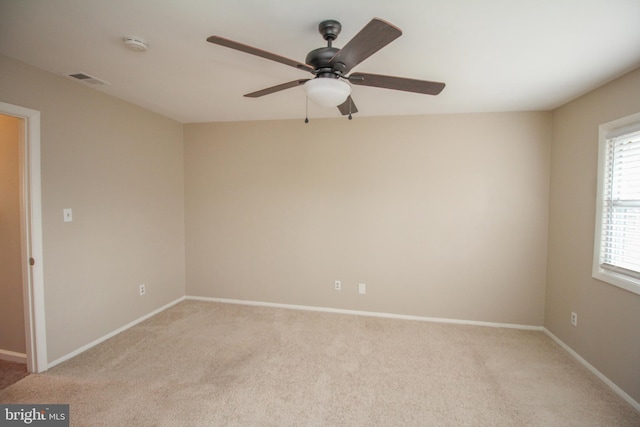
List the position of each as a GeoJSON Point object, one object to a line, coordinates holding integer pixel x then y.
{"type": "Point", "coordinates": [208, 364]}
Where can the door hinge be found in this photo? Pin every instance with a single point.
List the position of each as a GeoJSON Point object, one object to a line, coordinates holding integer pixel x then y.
{"type": "Point", "coordinates": [32, 261]}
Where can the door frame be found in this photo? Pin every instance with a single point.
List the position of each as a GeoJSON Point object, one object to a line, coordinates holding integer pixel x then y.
{"type": "Point", "coordinates": [31, 235]}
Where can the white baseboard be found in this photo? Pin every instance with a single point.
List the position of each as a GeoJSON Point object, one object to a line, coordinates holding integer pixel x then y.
{"type": "Point", "coordinates": [12, 356]}
{"type": "Point", "coordinates": [368, 313]}
{"type": "Point", "coordinates": [597, 373]}
{"type": "Point", "coordinates": [112, 334]}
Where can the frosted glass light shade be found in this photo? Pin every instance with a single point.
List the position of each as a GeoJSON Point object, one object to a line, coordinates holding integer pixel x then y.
{"type": "Point", "coordinates": [327, 91]}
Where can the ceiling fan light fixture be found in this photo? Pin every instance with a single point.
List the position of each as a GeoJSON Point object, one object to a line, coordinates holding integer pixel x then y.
{"type": "Point", "coordinates": [327, 91]}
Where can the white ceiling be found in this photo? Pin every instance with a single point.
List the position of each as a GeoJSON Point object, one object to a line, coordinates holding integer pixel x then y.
{"type": "Point", "coordinates": [494, 55]}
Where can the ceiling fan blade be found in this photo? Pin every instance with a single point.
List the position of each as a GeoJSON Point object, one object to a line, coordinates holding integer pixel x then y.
{"type": "Point", "coordinates": [258, 52]}
{"type": "Point", "coordinates": [373, 37]}
{"type": "Point", "coordinates": [396, 83]}
{"type": "Point", "coordinates": [348, 107]}
{"type": "Point", "coordinates": [277, 88]}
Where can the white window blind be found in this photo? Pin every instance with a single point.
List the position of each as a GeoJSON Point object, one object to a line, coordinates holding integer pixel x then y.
{"type": "Point", "coordinates": [620, 228]}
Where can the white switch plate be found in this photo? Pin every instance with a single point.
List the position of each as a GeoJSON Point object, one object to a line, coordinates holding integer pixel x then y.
{"type": "Point", "coordinates": [362, 288]}
{"type": "Point", "coordinates": [67, 215]}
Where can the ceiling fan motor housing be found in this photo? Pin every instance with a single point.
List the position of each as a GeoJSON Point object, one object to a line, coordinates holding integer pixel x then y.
{"type": "Point", "coordinates": [320, 60]}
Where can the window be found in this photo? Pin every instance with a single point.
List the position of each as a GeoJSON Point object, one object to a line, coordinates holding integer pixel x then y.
{"type": "Point", "coordinates": [617, 238]}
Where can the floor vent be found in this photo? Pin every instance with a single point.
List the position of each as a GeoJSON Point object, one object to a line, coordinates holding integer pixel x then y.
{"type": "Point", "coordinates": [88, 79]}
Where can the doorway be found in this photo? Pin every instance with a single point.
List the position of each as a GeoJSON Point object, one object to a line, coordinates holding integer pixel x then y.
{"type": "Point", "coordinates": [23, 125]}
{"type": "Point", "coordinates": [12, 328]}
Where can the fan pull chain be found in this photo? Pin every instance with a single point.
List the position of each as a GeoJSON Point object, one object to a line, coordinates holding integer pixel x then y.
{"type": "Point", "coordinates": [306, 113]}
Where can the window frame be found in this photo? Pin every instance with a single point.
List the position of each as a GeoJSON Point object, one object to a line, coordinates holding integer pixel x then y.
{"type": "Point", "coordinates": [607, 131]}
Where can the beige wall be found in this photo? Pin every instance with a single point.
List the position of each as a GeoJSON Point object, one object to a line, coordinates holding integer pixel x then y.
{"type": "Point", "coordinates": [12, 337]}
{"type": "Point", "coordinates": [120, 168]}
{"type": "Point", "coordinates": [441, 216]}
{"type": "Point", "coordinates": [608, 331]}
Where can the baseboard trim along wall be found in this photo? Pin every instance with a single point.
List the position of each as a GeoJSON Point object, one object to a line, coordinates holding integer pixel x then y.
{"type": "Point", "coordinates": [597, 373]}
{"type": "Point", "coordinates": [112, 334]}
{"type": "Point", "coordinates": [12, 356]}
{"type": "Point", "coordinates": [367, 313]}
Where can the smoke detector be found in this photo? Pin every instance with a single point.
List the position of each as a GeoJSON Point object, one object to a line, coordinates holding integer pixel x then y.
{"type": "Point", "coordinates": [135, 43]}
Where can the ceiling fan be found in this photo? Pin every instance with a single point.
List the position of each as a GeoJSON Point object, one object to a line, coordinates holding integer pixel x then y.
{"type": "Point", "coordinates": [331, 66]}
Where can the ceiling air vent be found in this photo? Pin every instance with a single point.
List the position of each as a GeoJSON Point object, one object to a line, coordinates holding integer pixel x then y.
{"type": "Point", "coordinates": [88, 79]}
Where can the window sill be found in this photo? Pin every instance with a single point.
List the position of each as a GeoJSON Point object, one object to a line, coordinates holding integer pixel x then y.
{"type": "Point", "coordinates": [627, 283]}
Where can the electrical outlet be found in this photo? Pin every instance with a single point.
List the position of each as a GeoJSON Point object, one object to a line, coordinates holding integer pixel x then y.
{"type": "Point", "coordinates": [142, 289]}
{"type": "Point", "coordinates": [574, 318]}
{"type": "Point", "coordinates": [337, 285]}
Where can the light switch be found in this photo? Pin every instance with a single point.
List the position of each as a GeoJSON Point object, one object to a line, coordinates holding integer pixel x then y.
{"type": "Point", "coordinates": [67, 214]}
